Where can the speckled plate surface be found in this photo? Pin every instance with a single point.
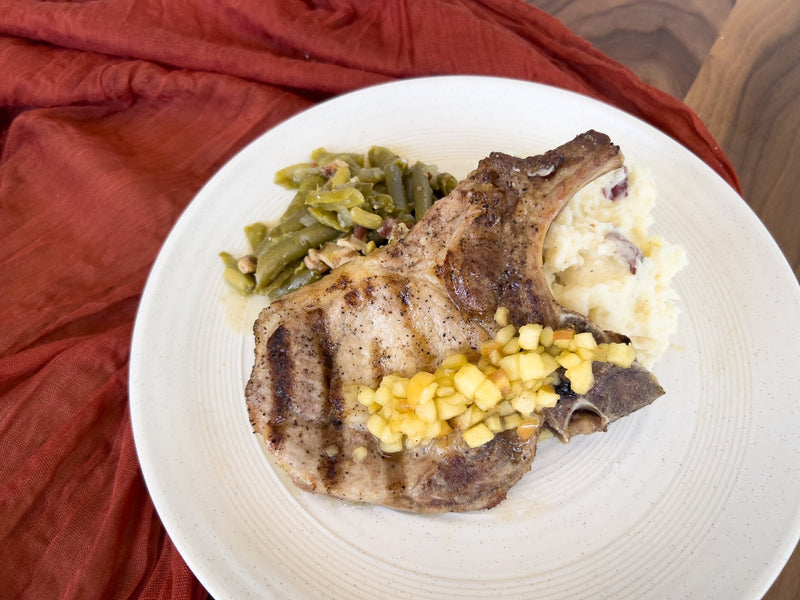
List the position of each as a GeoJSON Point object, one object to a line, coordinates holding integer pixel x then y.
{"type": "Point", "coordinates": [695, 496]}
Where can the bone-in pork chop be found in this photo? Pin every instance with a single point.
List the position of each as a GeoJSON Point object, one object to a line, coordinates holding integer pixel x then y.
{"type": "Point", "coordinates": [405, 307]}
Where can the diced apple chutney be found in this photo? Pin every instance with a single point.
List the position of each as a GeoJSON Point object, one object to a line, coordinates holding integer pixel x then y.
{"type": "Point", "coordinates": [507, 387]}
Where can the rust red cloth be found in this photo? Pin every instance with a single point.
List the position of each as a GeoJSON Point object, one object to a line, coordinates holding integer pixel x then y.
{"type": "Point", "coordinates": [112, 116]}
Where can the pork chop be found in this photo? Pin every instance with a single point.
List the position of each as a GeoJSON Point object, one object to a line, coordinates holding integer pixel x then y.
{"type": "Point", "coordinates": [402, 309]}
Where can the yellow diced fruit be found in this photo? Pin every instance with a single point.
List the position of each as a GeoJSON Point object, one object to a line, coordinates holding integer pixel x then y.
{"type": "Point", "coordinates": [621, 355]}
{"type": "Point", "coordinates": [468, 418]}
{"type": "Point", "coordinates": [467, 379]}
{"type": "Point", "coordinates": [366, 396]}
{"type": "Point", "coordinates": [553, 350]}
{"type": "Point", "coordinates": [546, 397]}
{"type": "Point", "coordinates": [454, 362]}
{"type": "Point", "coordinates": [504, 408]}
{"type": "Point", "coordinates": [495, 356]}
{"type": "Point", "coordinates": [529, 336]}
{"type": "Point", "coordinates": [512, 421]}
{"type": "Point", "coordinates": [417, 385]}
{"type": "Point", "coordinates": [525, 403]}
{"type": "Point", "coordinates": [377, 425]}
{"type": "Point", "coordinates": [383, 395]}
{"type": "Point", "coordinates": [568, 359]}
{"type": "Point", "coordinates": [399, 388]}
{"type": "Point", "coordinates": [562, 337]}
{"type": "Point", "coordinates": [487, 395]}
{"type": "Point", "coordinates": [501, 316]}
{"type": "Point", "coordinates": [494, 423]}
{"type": "Point", "coordinates": [504, 336]}
{"type": "Point", "coordinates": [510, 364]}
{"type": "Point", "coordinates": [444, 377]}
{"type": "Point", "coordinates": [581, 377]}
{"type": "Point", "coordinates": [531, 366]}
{"type": "Point", "coordinates": [550, 364]}
{"type": "Point", "coordinates": [478, 435]}
{"type": "Point", "coordinates": [410, 425]}
{"type": "Point", "coordinates": [451, 406]}
{"type": "Point", "coordinates": [389, 379]}
{"type": "Point", "coordinates": [546, 337]}
{"type": "Point", "coordinates": [528, 428]}
{"type": "Point", "coordinates": [583, 340]}
{"type": "Point", "coordinates": [359, 454]}
{"type": "Point", "coordinates": [412, 442]}
{"type": "Point", "coordinates": [396, 423]}
{"type": "Point", "coordinates": [586, 353]}
{"type": "Point", "coordinates": [500, 379]}
{"type": "Point", "coordinates": [402, 405]}
{"type": "Point", "coordinates": [392, 447]}
{"type": "Point", "coordinates": [426, 409]}
{"type": "Point", "coordinates": [490, 346]}
{"type": "Point", "coordinates": [512, 347]}
{"type": "Point", "coordinates": [444, 390]}
{"type": "Point", "coordinates": [390, 437]}
{"type": "Point", "coordinates": [437, 429]}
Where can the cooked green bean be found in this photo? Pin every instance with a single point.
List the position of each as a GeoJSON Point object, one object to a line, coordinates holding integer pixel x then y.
{"type": "Point", "coordinates": [299, 277]}
{"type": "Point", "coordinates": [293, 222]}
{"type": "Point", "coordinates": [284, 276]}
{"type": "Point", "coordinates": [420, 190]}
{"type": "Point", "coordinates": [345, 196]}
{"type": "Point", "coordinates": [310, 184]}
{"type": "Point", "coordinates": [365, 218]}
{"type": "Point", "coordinates": [394, 186]}
{"type": "Point", "coordinates": [328, 218]}
{"type": "Point", "coordinates": [243, 283]}
{"type": "Point", "coordinates": [338, 194]}
{"type": "Point", "coordinates": [324, 158]}
{"type": "Point", "coordinates": [370, 174]}
{"type": "Point", "coordinates": [380, 203]}
{"type": "Point", "coordinates": [255, 234]}
{"type": "Point", "coordinates": [379, 156]}
{"type": "Point", "coordinates": [445, 183]}
{"type": "Point", "coordinates": [292, 176]}
{"type": "Point", "coordinates": [292, 247]}
{"type": "Point", "coordinates": [229, 260]}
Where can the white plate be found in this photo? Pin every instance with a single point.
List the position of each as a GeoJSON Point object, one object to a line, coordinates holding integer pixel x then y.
{"type": "Point", "coordinates": [695, 496]}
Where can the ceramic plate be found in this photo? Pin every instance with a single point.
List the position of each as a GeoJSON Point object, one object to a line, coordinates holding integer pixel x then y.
{"type": "Point", "coordinates": [695, 496]}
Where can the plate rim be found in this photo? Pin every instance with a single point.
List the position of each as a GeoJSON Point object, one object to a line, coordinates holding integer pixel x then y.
{"type": "Point", "coordinates": [135, 376]}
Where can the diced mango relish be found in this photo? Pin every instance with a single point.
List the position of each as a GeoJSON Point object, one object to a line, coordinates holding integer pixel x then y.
{"type": "Point", "coordinates": [507, 387]}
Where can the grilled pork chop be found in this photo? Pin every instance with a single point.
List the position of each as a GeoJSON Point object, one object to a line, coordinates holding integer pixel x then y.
{"type": "Point", "coordinates": [405, 307]}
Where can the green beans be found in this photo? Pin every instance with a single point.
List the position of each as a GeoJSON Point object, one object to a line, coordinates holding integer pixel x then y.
{"type": "Point", "coordinates": [292, 278]}
{"type": "Point", "coordinates": [393, 175]}
{"type": "Point", "coordinates": [294, 246]}
{"type": "Point", "coordinates": [421, 190]}
{"type": "Point", "coordinates": [255, 234]}
{"type": "Point", "coordinates": [346, 202]}
{"type": "Point", "coordinates": [365, 218]}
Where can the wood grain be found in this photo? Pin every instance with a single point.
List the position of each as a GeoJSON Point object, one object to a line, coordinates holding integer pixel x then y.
{"type": "Point", "coordinates": [664, 42]}
{"type": "Point", "coordinates": [737, 64]}
{"type": "Point", "coordinates": [748, 94]}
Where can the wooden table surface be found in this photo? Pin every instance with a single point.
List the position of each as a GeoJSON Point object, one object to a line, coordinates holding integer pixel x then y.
{"type": "Point", "coordinates": [737, 64]}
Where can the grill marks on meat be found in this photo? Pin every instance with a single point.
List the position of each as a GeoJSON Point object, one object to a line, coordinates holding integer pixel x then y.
{"type": "Point", "coordinates": [404, 308]}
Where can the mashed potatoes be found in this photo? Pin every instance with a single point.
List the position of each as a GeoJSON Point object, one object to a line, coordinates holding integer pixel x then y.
{"type": "Point", "coordinates": [600, 261]}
